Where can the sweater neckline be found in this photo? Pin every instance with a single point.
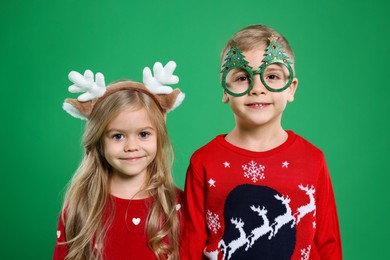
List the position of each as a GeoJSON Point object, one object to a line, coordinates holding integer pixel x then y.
{"type": "Point", "coordinates": [133, 201]}
{"type": "Point", "coordinates": [290, 139]}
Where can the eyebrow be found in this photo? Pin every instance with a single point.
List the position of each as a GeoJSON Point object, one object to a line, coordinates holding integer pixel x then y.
{"type": "Point", "coordinates": [149, 128]}
{"type": "Point", "coordinates": [275, 69]}
{"type": "Point", "coordinates": [237, 71]}
{"type": "Point", "coordinates": [278, 68]}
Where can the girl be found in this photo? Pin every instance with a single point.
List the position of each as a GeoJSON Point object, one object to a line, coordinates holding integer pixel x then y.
{"type": "Point", "coordinates": [122, 202]}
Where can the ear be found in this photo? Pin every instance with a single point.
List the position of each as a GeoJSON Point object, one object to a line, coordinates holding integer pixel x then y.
{"type": "Point", "coordinates": [225, 98]}
{"type": "Point", "coordinates": [291, 90]}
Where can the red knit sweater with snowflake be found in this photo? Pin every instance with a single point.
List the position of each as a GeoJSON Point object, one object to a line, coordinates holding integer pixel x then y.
{"type": "Point", "coordinates": [126, 238]}
{"type": "Point", "coordinates": [277, 204]}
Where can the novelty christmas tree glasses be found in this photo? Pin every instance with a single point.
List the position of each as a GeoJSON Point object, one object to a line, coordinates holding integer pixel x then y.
{"type": "Point", "coordinates": [276, 72]}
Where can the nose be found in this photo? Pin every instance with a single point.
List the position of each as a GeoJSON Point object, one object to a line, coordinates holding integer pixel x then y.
{"type": "Point", "coordinates": [258, 86]}
{"type": "Point", "coordinates": [131, 145]}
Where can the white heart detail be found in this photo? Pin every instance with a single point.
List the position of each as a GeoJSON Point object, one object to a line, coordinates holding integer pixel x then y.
{"type": "Point", "coordinates": [58, 234]}
{"type": "Point", "coordinates": [136, 221]}
{"type": "Point", "coordinates": [178, 206]}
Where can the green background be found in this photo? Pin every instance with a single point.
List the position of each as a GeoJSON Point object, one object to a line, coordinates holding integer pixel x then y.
{"type": "Point", "coordinates": [341, 104]}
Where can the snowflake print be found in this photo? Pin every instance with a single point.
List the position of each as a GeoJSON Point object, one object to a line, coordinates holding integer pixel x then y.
{"type": "Point", "coordinates": [305, 253]}
{"type": "Point", "coordinates": [253, 171]}
{"type": "Point", "coordinates": [213, 221]}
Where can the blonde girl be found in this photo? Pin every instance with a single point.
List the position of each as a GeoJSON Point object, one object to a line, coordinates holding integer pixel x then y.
{"type": "Point", "coordinates": [122, 202]}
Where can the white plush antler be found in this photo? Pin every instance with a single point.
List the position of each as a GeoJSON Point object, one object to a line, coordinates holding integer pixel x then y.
{"type": "Point", "coordinates": [85, 83]}
{"type": "Point", "coordinates": [162, 75]}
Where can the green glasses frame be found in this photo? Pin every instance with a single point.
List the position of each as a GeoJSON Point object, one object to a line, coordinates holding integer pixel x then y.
{"type": "Point", "coordinates": [274, 55]}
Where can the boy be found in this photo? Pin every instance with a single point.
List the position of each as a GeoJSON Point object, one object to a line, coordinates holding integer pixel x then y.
{"type": "Point", "coordinates": [259, 192]}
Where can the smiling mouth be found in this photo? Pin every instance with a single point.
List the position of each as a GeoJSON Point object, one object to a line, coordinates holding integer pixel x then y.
{"type": "Point", "coordinates": [257, 105]}
{"type": "Point", "coordinates": [132, 158]}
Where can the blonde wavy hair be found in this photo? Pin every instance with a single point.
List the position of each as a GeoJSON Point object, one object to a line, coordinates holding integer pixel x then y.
{"type": "Point", "coordinates": [88, 194]}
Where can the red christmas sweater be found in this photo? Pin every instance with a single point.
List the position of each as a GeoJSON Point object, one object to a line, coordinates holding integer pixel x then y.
{"type": "Point", "coordinates": [277, 204]}
{"type": "Point", "coordinates": [126, 237]}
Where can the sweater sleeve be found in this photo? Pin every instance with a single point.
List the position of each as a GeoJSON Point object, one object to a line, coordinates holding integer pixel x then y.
{"type": "Point", "coordinates": [60, 249]}
{"type": "Point", "coordinates": [194, 234]}
{"type": "Point", "coordinates": [327, 239]}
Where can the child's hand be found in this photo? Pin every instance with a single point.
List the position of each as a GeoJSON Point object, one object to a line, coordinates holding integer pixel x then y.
{"type": "Point", "coordinates": [162, 75]}
{"type": "Point", "coordinates": [85, 83]}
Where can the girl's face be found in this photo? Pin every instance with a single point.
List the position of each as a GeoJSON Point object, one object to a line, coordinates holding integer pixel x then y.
{"type": "Point", "coordinates": [130, 145]}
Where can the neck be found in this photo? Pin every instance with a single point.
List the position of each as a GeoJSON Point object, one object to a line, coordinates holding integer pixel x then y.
{"type": "Point", "coordinates": [258, 139]}
{"type": "Point", "coordinates": [127, 188]}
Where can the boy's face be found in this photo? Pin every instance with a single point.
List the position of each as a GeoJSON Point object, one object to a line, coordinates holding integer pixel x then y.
{"type": "Point", "coordinates": [259, 106]}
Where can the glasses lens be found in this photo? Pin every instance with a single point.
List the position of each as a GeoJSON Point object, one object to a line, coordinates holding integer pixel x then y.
{"type": "Point", "coordinates": [276, 76]}
{"type": "Point", "coordinates": [237, 80]}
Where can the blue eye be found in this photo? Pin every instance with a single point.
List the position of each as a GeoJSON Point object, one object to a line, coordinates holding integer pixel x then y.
{"type": "Point", "coordinates": [144, 134]}
{"type": "Point", "coordinates": [117, 136]}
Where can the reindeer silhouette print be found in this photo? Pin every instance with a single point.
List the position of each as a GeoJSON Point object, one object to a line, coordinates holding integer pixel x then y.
{"type": "Point", "coordinates": [263, 229]}
{"type": "Point", "coordinates": [284, 219]}
{"type": "Point", "coordinates": [250, 219]}
{"type": "Point", "coordinates": [237, 243]}
{"type": "Point", "coordinates": [311, 206]}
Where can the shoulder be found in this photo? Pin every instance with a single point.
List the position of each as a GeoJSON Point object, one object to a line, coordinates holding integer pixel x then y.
{"type": "Point", "coordinates": [303, 143]}
{"type": "Point", "coordinates": [305, 152]}
{"type": "Point", "coordinates": [209, 148]}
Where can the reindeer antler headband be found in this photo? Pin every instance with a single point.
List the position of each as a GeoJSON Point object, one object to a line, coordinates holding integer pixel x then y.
{"type": "Point", "coordinates": [95, 91]}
